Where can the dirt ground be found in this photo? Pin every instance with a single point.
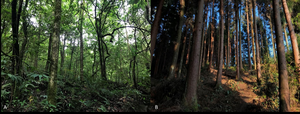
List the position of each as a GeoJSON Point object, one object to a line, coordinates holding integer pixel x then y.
{"type": "Point", "coordinates": [234, 96]}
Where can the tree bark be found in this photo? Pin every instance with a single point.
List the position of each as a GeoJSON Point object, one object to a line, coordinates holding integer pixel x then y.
{"type": "Point", "coordinates": [212, 39]}
{"type": "Point", "coordinates": [286, 38]}
{"type": "Point", "coordinates": [52, 91]}
{"type": "Point", "coordinates": [252, 35]}
{"type": "Point", "coordinates": [81, 43]}
{"type": "Point", "coordinates": [62, 57]}
{"type": "Point", "coordinates": [190, 97]}
{"type": "Point", "coordinates": [236, 41]}
{"type": "Point", "coordinates": [282, 67]}
{"type": "Point", "coordinates": [258, 70]}
{"type": "Point", "coordinates": [182, 53]}
{"type": "Point", "coordinates": [249, 49]}
{"type": "Point", "coordinates": [219, 77]}
{"type": "Point", "coordinates": [228, 37]}
{"type": "Point", "coordinates": [240, 39]}
{"type": "Point", "coordinates": [178, 41]}
{"type": "Point", "coordinates": [155, 26]}
{"type": "Point", "coordinates": [293, 37]}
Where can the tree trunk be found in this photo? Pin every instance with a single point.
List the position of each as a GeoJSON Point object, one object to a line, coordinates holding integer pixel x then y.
{"type": "Point", "coordinates": [182, 53]}
{"type": "Point", "coordinates": [286, 38]}
{"type": "Point", "coordinates": [282, 67]}
{"type": "Point", "coordinates": [155, 26]}
{"type": "Point", "coordinates": [212, 39]}
{"type": "Point", "coordinates": [15, 45]}
{"type": "Point", "coordinates": [249, 49]}
{"type": "Point", "coordinates": [252, 35]}
{"type": "Point", "coordinates": [52, 91]}
{"type": "Point", "coordinates": [81, 43]}
{"type": "Point", "coordinates": [240, 48]}
{"type": "Point", "coordinates": [62, 56]}
{"type": "Point", "coordinates": [72, 52]}
{"type": "Point", "coordinates": [219, 77]}
{"type": "Point", "coordinates": [293, 38]}
{"type": "Point", "coordinates": [202, 40]}
{"type": "Point", "coordinates": [134, 62]}
{"type": "Point", "coordinates": [49, 53]}
{"type": "Point", "coordinates": [25, 25]}
{"type": "Point", "coordinates": [190, 97]}
{"type": "Point", "coordinates": [256, 44]}
{"type": "Point", "coordinates": [236, 41]}
{"type": "Point", "coordinates": [228, 37]}
{"type": "Point", "coordinates": [178, 41]}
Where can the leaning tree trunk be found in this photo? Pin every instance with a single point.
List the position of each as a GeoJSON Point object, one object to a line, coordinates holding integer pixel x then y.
{"type": "Point", "coordinates": [286, 38]}
{"type": "Point", "coordinates": [219, 77]}
{"type": "Point", "coordinates": [293, 38]}
{"type": "Point", "coordinates": [256, 44]}
{"type": "Point", "coordinates": [177, 44]}
{"type": "Point", "coordinates": [282, 67]}
{"type": "Point", "coordinates": [52, 86]}
{"type": "Point", "coordinates": [190, 96]}
{"type": "Point", "coordinates": [155, 26]}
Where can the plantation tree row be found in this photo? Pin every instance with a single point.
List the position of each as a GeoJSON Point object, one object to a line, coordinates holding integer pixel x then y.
{"type": "Point", "coordinates": [245, 34]}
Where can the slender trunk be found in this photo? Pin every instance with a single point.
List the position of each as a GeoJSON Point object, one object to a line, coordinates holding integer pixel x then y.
{"type": "Point", "coordinates": [182, 53]}
{"type": "Point", "coordinates": [62, 56]}
{"type": "Point", "coordinates": [219, 77]}
{"type": "Point", "coordinates": [228, 36]}
{"type": "Point", "coordinates": [134, 62]}
{"type": "Point", "coordinates": [236, 41]}
{"type": "Point", "coordinates": [248, 34]}
{"type": "Point", "coordinates": [81, 43]}
{"type": "Point", "coordinates": [258, 71]}
{"type": "Point", "coordinates": [286, 38]}
{"type": "Point", "coordinates": [52, 91]}
{"type": "Point", "coordinates": [240, 48]}
{"type": "Point", "coordinates": [212, 39]}
{"type": "Point", "coordinates": [25, 25]}
{"type": "Point", "coordinates": [190, 96]}
{"type": "Point", "coordinates": [293, 38]}
{"type": "Point", "coordinates": [282, 67]}
{"type": "Point", "coordinates": [155, 26]}
{"type": "Point", "coordinates": [202, 39]}
{"type": "Point", "coordinates": [252, 35]}
{"type": "Point", "coordinates": [178, 41]}
{"type": "Point", "coordinates": [72, 52]}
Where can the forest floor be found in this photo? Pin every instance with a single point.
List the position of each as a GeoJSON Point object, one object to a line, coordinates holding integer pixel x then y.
{"type": "Point", "coordinates": [233, 96]}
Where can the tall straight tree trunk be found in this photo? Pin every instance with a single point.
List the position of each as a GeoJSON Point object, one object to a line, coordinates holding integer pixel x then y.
{"type": "Point", "coordinates": [189, 49]}
{"type": "Point", "coordinates": [212, 39]}
{"type": "Point", "coordinates": [208, 45]}
{"type": "Point", "coordinates": [271, 27]}
{"type": "Point", "coordinates": [240, 39]}
{"type": "Point", "coordinates": [49, 53]}
{"type": "Point", "coordinates": [52, 86]}
{"type": "Point", "coordinates": [236, 41]}
{"type": "Point", "coordinates": [204, 47]}
{"type": "Point", "coordinates": [62, 57]}
{"type": "Point", "coordinates": [256, 44]}
{"type": "Point", "coordinates": [155, 26]}
{"type": "Point", "coordinates": [283, 73]}
{"type": "Point", "coordinates": [15, 45]}
{"type": "Point", "coordinates": [36, 55]}
{"type": "Point", "coordinates": [252, 35]}
{"type": "Point", "coordinates": [228, 36]}
{"type": "Point", "coordinates": [177, 44]}
{"type": "Point", "coordinates": [286, 37]}
{"type": "Point", "coordinates": [25, 31]}
{"type": "Point", "coordinates": [249, 49]}
{"type": "Point", "coordinates": [190, 96]}
{"type": "Point", "coordinates": [219, 75]}
{"type": "Point", "coordinates": [182, 53]}
{"type": "Point", "coordinates": [293, 38]}
{"type": "Point", "coordinates": [81, 42]}
{"type": "Point", "coordinates": [202, 39]}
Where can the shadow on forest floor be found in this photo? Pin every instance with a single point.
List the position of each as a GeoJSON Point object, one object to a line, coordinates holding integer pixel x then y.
{"type": "Point", "coordinates": [234, 96]}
